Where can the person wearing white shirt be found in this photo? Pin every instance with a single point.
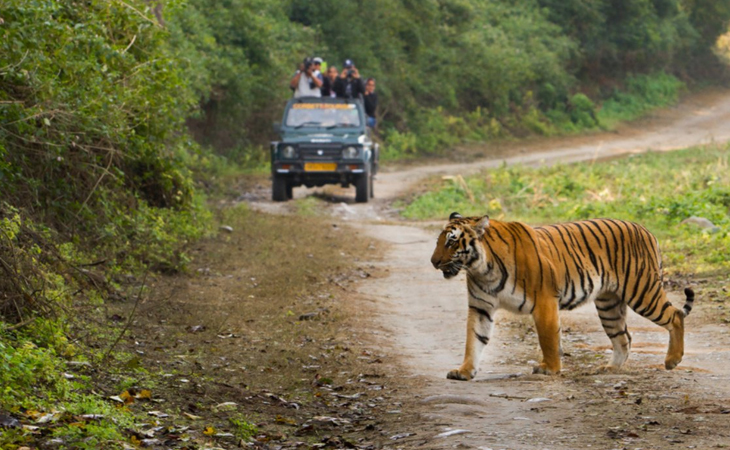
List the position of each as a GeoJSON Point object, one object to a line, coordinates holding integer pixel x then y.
{"type": "Point", "coordinates": [305, 82]}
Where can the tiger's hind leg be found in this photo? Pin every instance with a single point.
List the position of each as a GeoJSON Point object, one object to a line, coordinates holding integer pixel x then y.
{"type": "Point", "coordinates": [612, 312]}
{"type": "Point", "coordinates": [547, 324]}
{"type": "Point", "coordinates": [676, 341]}
{"type": "Point", "coordinates": [659, 310]}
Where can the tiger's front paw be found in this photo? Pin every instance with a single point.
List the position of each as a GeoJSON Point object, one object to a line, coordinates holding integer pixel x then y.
{"type": "Point", "coordinates": [543, 369]}
{"type": "Point", "coordinates": [672, 362]}
{"type": "Point", "coordinates": [461, 375]}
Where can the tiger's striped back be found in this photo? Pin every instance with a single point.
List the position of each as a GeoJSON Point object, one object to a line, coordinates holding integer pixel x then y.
{"type": "Point", "coordinates": [603, 256]}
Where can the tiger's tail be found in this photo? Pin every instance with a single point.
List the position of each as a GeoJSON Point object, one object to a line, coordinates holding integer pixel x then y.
{"type": "Point", "coordinates": [690, 301]}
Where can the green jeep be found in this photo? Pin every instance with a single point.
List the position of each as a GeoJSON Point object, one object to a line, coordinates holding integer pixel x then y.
{"type": "Point", "coordinates": [323, 141]}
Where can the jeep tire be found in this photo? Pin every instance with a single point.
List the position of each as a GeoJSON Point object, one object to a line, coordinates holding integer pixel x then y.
{"type": "Point", "coordinates": [362, 187]}
{"type": "Point", "coordinates": [279, 189]}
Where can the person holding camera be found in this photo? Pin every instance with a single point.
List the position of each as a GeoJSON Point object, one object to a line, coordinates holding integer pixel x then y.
{"type": "Point", "coordinates": [317, 72]}
{"type": "Point", "coordinates": [305, 82]}
{"type": "Point", "coordinates": [349, 84]}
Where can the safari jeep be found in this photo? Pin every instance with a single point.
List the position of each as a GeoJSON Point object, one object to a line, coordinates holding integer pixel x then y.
{"type": "Point", "coordinates": [323, 141]}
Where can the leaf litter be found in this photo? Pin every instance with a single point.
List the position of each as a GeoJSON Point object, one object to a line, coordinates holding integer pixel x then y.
{"type": "Point", "coordinates": [275, 369]}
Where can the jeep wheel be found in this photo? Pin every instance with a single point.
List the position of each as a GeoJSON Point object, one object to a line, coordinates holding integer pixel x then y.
{"type": "Point", "coordinates": [372, 185]}
{"type": "Point", "coordinates": [279, 189]}
{"type": "Point", "coordinates": [289, 191]}
{"type": "Point", "coordinates": [362, 188]}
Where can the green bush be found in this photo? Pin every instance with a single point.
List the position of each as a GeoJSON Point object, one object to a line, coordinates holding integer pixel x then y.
{"type": "Point", "coordinates": [95, 182]}
{"type": "Point", "coordinates": [641, 94]}
{"type": "Point", "coordinates": [91, 99]}
{"type": "Point", "coordinates": [238, 57]}
{"type": "Point", "coordinates": [34, 382]}
{"type": "Point", "coordinates": [583, 112]}
{"type": "Point", "coordinates": [440, 130]}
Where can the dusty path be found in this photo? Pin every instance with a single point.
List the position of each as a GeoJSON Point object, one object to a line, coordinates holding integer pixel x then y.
{"type": "Point", "coordinates": [506, 407]}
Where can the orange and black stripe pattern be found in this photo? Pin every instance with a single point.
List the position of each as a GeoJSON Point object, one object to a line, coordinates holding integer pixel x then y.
{"type": "Point", "coordinates": [615, 264]}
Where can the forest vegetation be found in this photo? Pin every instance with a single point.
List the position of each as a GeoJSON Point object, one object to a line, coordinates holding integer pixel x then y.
{"type": "Point", "coordinates": [114, 114]}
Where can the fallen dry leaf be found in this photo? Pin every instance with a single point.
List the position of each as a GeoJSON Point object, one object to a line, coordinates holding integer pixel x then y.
{"type": "Point", "coordinates": [33, 414]}
{"type": "Point", "coordinates": [126, 397]}
{"type": "Point", "coordinates": [285, 420]}
{"type": "Point", "coordinates": [226, 405]}
{"type": "Point", "coordinates": [144, 394]}
{"type": "Point", "coordinates": [92, 416]}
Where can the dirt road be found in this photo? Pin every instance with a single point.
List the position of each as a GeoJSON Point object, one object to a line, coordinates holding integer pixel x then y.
{"type": "Point", "coordinates": [507, 407]}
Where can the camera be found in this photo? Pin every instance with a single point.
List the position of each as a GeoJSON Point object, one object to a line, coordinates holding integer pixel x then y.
{"type": "Point", "coordinates": [350, 73]}
{"type": "Point", "coordinates": [308, 63]}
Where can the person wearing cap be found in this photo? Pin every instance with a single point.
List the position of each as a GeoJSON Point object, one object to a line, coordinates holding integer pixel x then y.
{"type": "Point", "coordinates": [349, 84]}
{"type": "Point", "coordinates": [317, 63]}
{"type": "Point", "coordinates": [305, 82]}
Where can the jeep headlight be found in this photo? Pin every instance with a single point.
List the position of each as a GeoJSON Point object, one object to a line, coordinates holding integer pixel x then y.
{"type": "Point", "coordinates": [349, 153]}
{"type": "Point", "coordinates": [289, 152]}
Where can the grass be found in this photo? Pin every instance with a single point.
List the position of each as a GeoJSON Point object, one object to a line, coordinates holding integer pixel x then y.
{"type": "Point", "coordinates": [39, 385]}
{"type": "Point", "coordinates": [642, 94]}
{"type": "Point", "coordinates": [659, 190]}
{"type": "Point", "coordinates": [57, 360]}
{"type": "Point", "coordinates": [437, 130]}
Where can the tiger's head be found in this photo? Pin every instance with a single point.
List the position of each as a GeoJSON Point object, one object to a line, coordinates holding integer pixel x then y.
{"type": "Point", "coordinates": [456, 246]}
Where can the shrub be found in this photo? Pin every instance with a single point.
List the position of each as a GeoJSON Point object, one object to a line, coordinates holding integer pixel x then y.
{"type": "Point", "coordinates": [91, 100]}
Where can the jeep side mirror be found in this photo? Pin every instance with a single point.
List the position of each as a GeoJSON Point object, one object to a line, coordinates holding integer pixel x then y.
{"type": "Point", "coordinates": [277, 127]}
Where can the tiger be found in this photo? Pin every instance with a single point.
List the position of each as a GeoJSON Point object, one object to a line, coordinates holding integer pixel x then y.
{"type": "Point", "coordinates": [540, 270]}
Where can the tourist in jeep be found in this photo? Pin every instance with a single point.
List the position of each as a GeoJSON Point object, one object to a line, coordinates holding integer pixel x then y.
{"type": "Point", "coordinates": [370, 101]}
{"type": "Point", "coordinates": [328, 83]}
{"type": "Point", "coordinates": [349, 84]}
{"type": "Point", "coordinates": [305, 82]}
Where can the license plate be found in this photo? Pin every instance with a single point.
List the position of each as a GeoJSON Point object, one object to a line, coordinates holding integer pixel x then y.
{"type": "Point", "coordinates": [320, 167]}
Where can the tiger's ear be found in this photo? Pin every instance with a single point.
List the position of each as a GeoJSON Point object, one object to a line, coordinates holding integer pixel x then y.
{"type": "Point", "coordinates": [454, 215]}
{"type": "Point", "coordinates": [482, 225]}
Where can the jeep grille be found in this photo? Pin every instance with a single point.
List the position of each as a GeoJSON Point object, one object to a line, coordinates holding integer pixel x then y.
{"type": "Point", "coordinates": [328, 152]}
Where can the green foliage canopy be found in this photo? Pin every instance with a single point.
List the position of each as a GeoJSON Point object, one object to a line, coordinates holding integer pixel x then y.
{"type": "Point", "coordinates": [238, 56]}
{"type": "Point", "coordinates": [90, 100]}
{"type": "Point", "coordinates": [436, 61]}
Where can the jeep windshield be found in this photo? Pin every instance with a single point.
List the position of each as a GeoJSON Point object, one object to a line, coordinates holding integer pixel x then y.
{"type": "Point", "coordinates": [323, 115]}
